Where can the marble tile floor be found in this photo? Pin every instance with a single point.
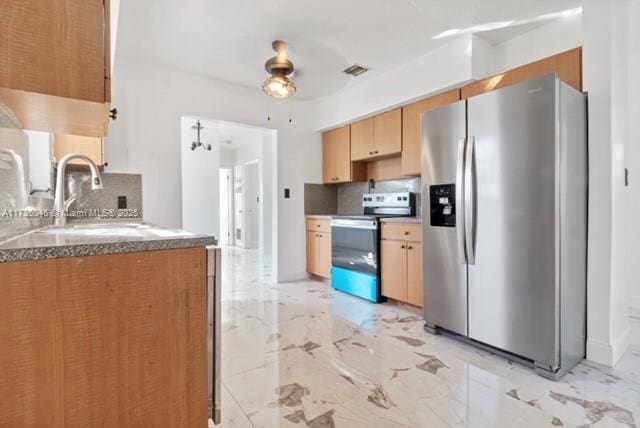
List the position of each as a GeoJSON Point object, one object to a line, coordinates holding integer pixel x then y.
{"type": "Point", "coordinates": [303, 355]}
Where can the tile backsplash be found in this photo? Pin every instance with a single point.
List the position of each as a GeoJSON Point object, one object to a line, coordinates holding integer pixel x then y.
{"type": "Point", "coordinates": [78, 185]}
{"type": "Point", "coordinates": [128, 186]}
{"type": "Point", "coordinates": [346, 198]}
{"type": "Point", "coordinates": [320, 199]}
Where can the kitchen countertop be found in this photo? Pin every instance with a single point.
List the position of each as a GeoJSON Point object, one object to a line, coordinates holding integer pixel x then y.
{"type": "Point", "coordinates": [319, 216]}
{"type": "Point", "coordinates": [414, 220]}
{"type": "Point", "coordinates": [80, 240]}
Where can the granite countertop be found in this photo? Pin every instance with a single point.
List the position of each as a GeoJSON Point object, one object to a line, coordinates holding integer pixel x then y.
{"type": "Point", "coordinates": [416, 220]}
{"type": "Point", "coordinates": [80, 240]}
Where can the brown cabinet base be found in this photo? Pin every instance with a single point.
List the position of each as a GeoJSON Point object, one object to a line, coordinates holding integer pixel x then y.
{"type": "Point", "coordinates": [116, 340]}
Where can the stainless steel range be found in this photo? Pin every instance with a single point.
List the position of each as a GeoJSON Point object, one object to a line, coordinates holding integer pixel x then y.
{"type": "Point", "coordinates": [355, 242]}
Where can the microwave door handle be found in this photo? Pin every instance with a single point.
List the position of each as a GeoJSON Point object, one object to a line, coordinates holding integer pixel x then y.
{"type": "Point", "coordinates": [469, 200]}
{"type": "Point", "coordinates": [460, 224]}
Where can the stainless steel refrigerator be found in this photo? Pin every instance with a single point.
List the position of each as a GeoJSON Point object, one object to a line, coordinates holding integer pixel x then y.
{"type": "Point", "coordinates": [504, 182]}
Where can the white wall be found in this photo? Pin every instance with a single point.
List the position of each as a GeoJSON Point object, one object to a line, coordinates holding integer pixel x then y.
{"type": "Point", "coordinates": [39, 163]}
{"type": "Point", "coordinates": [605, 79]}
{"type": "Point", "coordinates": [146, 140]}
{"type": "Point", "coordinates": [200, 178]}
{"type": "Point", "coordinates": [633, 163]}
{"type": "Point", "coordinates": [555, 37]}
{"type": "Point", "coordinates": [447, 66]}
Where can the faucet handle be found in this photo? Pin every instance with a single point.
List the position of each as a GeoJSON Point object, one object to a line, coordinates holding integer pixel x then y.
{"type": "Point", "coordinates": [69, 201]}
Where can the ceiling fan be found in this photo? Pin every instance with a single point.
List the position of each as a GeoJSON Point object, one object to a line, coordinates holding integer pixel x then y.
{"type": "Point", "coordinates": [279, 84]}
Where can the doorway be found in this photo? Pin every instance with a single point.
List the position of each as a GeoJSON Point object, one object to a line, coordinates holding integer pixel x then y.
{"type": "Point", "coordinates": [229, 191]}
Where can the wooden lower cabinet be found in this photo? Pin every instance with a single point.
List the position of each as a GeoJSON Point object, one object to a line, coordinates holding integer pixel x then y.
{"type": "Point", "coordinates": [109, 340]}
{"type": "Point", "coordinates": [393, 255]}
{"type": "Point", "coordinates": [401, 263]}
{"type": "Point", "coordinates": [414, 274]}
{"type": "Point", "coordinates": [318, 249]}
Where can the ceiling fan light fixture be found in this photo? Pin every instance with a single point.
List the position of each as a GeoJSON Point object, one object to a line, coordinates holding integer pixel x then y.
{"type": "Point", "coordinates": [279, 87]}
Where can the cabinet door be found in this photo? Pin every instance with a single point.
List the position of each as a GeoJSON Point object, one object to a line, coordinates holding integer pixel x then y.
{"type": "Point", "coordinates": [54, 48]}
{"type": "Point", "coordinates": [312, 252]}
{"type": "Point", "coordinates": [328, 157]}
{"type": "Point", "coordinates": [414, 273]}
{"type": "Point", "coordinates": [89, 146]}
{"type": "Point", "coordinates": [568, 66]}
{"type": "Point", "coordinates": [342, 154]}
{"type": "Point", "coordinates": [412, 129]}
{"type": "Point", "coordinates": [394, 269]}
{"type": "Point", "coordinates": [324, 255]}
{"type": "Point", "coordinates": [362, 139]}
{"type": "Point", "coordinates": [388, 133]}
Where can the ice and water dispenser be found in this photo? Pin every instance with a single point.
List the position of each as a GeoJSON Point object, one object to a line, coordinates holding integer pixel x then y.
{"type": "Point", "coordinates": [442, 199]}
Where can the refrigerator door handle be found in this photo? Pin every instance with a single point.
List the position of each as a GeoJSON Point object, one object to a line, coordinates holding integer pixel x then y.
{"type": "Point", "coordinates": [460, 193]}
{"type": "Point", "coordinates": [469, 200]}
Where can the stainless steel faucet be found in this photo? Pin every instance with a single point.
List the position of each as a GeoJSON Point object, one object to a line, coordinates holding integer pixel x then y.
{"type": "Point", "coordinates": [60, 203]}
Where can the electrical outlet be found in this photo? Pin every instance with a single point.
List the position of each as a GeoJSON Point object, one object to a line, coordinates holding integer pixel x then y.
{"type": "Point", "coordinates": [122, 202]}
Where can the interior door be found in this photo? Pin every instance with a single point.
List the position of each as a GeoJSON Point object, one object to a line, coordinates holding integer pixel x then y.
{"type": "Point", "coordinates": [238, 206]}
{"type": "Point", "coordinates": [445, 291]}
{"type": "Point", "coordinates": [512, 277]}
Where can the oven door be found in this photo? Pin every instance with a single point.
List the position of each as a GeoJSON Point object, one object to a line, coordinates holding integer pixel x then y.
{"type": "Point", "coordinates": [354, 244]}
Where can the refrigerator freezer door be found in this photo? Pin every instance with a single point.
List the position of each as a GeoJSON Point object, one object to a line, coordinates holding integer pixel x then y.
{"type": "Point", "coordinates": [513, 284]}
{"type": "Point", "coordinates": [445, 271]}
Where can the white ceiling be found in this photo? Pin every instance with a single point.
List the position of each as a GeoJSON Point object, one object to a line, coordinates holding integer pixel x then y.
{"type": "Point", "coordinates": [230, 40]}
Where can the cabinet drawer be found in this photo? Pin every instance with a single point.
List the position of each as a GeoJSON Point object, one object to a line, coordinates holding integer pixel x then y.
{"type": "Point", "coordinates": [402, 231]}
{"type": "Point", "coordinates": [319, 225]}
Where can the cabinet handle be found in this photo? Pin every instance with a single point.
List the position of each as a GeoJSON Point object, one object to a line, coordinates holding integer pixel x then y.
{"type": "Point", "coordinates": [113, 113]}
{"type": "Point", "coordinates": [406, 232]}
{"type": "Point", "coordinates": [375, 152]}
{"type": "Point", "coordinates": [402, 246]}
{"type": "Point", "coordinates": [409, 247]}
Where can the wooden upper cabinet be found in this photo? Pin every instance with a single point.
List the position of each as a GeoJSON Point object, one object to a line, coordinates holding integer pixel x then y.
{"type": "Point", "coordinates": [377, 136]}
{"type": "Point", "coordinates": [387, 134]}
{"type": "Point", "coordinates": [342, 154]}
{"type": "Point", "coordinates": [412, 129]}
{"type": "Point", "coordinates": [568, 65]}
{"type": "Point", "coordinates": [92, 147]}
{"type": "Point", "coordinates": [362, 139]}
{"type": "Point", "coordinates": [328, 161]}
{"type": "Point", "coordinates": [55, 64]}
{"type": "Point", "coordinates": [336, 158]}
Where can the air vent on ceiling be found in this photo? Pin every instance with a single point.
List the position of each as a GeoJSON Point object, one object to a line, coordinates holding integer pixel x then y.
{"type": "Point", "coordinates": [355, 70]}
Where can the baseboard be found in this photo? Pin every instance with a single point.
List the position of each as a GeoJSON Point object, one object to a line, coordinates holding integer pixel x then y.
{"type": "Point", "coordinates": [292, 276]}
{"type": "Point", "coordinates": [608, 354]}
{"type": "Point", "coordinates": [634, 321]}
{"type": "Point", "coordinates": [634, 307]}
